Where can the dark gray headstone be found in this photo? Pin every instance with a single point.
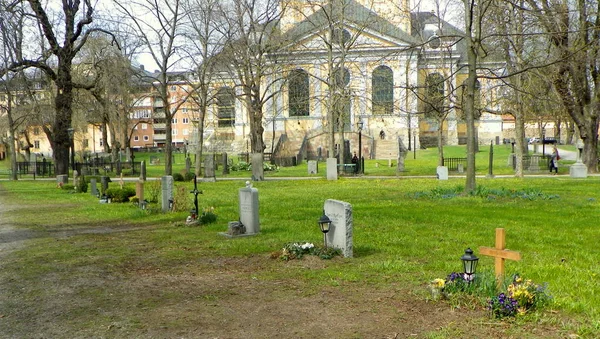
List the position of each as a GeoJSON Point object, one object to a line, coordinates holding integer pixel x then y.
{"type": "Point", "coordinates": [188, 165]}
{"type": "Point", "coordinates": [209, 168]}
{"type": "Point", "coordinates": [225, 163]}
{"type": "Point", "coordinates": [62, 179]}
{"type": "Point", "coordinates": [104, 180]}
{"type": "Point", "coordinates": [93, 187]}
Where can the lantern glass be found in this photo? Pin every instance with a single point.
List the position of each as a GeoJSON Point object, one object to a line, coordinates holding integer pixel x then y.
{"type": "Point", "coordinates": [469, 262]}
{"type": "Point", "coordinates": [324, 223]}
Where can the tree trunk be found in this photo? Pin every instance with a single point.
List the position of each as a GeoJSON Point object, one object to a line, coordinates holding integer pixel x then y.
{"type": "Point", "coordinates": [62, 123]}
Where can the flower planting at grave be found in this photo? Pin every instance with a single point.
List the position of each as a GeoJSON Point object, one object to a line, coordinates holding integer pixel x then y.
{"type": "Point", "coordinates": [519, 297]}
{"type": "Point", "coordinates": [297, 250]}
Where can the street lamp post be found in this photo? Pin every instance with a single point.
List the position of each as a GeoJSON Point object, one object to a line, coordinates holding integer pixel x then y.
{"type": "Point", "coordinates": [71, 132]}
{"type": "Point", "coordinates": [359, 124]}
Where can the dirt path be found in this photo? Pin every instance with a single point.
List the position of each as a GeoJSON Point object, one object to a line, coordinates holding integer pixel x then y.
{"type": "Point", "coordinates": [10, 237]}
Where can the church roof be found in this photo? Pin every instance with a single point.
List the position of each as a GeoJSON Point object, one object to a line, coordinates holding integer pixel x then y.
{"type": "Point", "coordinates": [351, 13]}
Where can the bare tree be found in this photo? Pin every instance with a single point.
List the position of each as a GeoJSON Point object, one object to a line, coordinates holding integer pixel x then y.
{"type": "Point", "coordinates": [572, 31]}
{"type": "Point", "coordinates": [252, 37]}
{"type": "Point", "coordinates": [56, 61]}
{"type": "Point", "coordinates": [159, 24]}
{"type": "Point", "coordinates": [204, 42]}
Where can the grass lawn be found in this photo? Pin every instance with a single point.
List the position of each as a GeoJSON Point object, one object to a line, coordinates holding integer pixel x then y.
{"type": "Point", "coordinates": [407, 232]}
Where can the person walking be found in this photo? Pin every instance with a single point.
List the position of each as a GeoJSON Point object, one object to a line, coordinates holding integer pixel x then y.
{"type": "Point", "coordinates": [553, 163]}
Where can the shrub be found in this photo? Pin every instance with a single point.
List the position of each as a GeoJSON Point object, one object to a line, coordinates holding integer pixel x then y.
{"type": "Point", "coordinates": [177, 177]}
{"type": "Point", "coordinates": [189, 176]}
{"type": "Point", "coordinates": [208, 216]}
{"type": "Point", "coordinates": [153, 190]}
{"type": "Point", "coordinates": [117, 194]}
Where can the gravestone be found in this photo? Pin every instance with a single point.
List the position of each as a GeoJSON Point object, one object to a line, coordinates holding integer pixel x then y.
{"type": "Point", "coordinates": [75, 178]}
{"type": "Point", "coordinates": [402, 150]}
{"type": "Point", "coordinates": [442, 173]}
{"type": "Point", "coordinates": [225, 163]}
{"type": "Point", "coordinates": [534, 163]}
{"type": "Point", "coordinates": [167, 192]}
{"type": "Point", "coordinates": [143, 171]}
{"type": "Point", "coordinates": [188, 165]}
{"type": "Point", "coordinates": [258, 173]}
{"type": "Point", "coordinates": [119, 167]}
{"type": "Point", "coordinates": [460, 168]}
{"type": "Point", "coordinates": [93, 187]}
{"type": "Point", "coordinates": [340, 232]}
{"type": "Point", "coordinates": [104, 180]}
{"type": "Point", "coordinates": [313, 167]}
{"type": "Point", "coordinates": [139, 191]}
{"type": "Point", "coordinates": [332, 171]}
{"type": "Point", "coordinates": [248, 207]}
{"type": "Point", "coordinates": [209, 168]}
{"type": "Point", "coordinates": [578, 170]}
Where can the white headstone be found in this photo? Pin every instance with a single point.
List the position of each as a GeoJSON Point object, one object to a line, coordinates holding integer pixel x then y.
{"type": "Point", "coordinates": [312, 167]}
{"type": "Point", "coordinates": [442, 173]}
{"type": "Point", "coordinates": [340, 231]}
{"type": "Point", "coordinates": [460, 168]}
{"type": "Point", "coordinates": [248, 203]}
{"type": "Point", "coordinates": [332, 171]}
{"type": "Point", "coordinates": [167, 192]}
{"type": "Point", "coordinates": [578, 170]}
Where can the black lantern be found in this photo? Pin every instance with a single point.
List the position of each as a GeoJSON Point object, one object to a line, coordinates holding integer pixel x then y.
{"type": "Point", "coordinates": [324, 223]}
{"type": "Point", "coordinates": [469, 263]}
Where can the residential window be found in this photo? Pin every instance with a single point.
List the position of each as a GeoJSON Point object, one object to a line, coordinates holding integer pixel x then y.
{"type": "Point", "coordinates": [36, 131]}
{"type": "Point", "coordinates": [144, 126]}
{"type": "Point", "coordinates": [173, 88]}
{"type": "Point", "coordinates": [85, 143]}
{"type": "Point", "coordinates": [186, 132]}
{"type": "Point", "coordinates": [146, 138]}
{"type": "Point", "coordinates": [174, 132]}
{"type": "Point", "coordinates": [174, 120]}
{"type": "Point", "coordinates": [136, 138]}
{"type": "Point", "coordinates": [298, 93]}
{"type": "Point", "coordinates": [184, 110]}
{"type": "Point", "coordinates": [383, 90]}
{"type": "Point", "coordinates": [186, 120]}
{"type": "Point", "coordinates": [36, 144]}
{"type": "Point", "coordinates": [226, 107]}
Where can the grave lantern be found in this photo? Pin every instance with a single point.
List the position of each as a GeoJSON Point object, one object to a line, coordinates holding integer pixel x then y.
{"type": "Point", "coordinates": [469, 263]}
{"type": "Point", "coordinates": [324, 223]}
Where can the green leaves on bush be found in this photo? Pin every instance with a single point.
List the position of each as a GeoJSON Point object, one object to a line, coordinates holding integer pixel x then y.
{"type": "Point", "coordinates": [117, 194]}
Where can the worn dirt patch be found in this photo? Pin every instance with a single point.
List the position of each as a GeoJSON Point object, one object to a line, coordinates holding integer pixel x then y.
{"type": "Point", "coordinates": [222, 297]}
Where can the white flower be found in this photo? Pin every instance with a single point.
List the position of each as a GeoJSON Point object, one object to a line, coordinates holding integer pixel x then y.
{"type": "Point", "coordinates": [307, 246]}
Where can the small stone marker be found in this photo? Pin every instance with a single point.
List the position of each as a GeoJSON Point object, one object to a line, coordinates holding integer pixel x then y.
{"type": "Point", "coordinates": [442, 173]}
{"type": "Point", "coordinates": [167, 192]}
{"type": "Point", "coordinates": [460, 168]}
{"type": "Point", "coordinates": [500, 254]}
{"type": "Point", "coordinates": [340, 231]}
{"type": "Point", "coordinates": [332, 171]}
{"type": "Point", "coordinates": [93, 187]}
{"type": "Point", "coordinates": [313, 167]}
{"type": "Point", "coordinates": [62, 179]}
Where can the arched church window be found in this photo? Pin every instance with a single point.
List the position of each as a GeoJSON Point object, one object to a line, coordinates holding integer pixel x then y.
{"type": "Point", "coordinates": [383, 90]}
{"type": "Point", "coordinates": [298, 93]}
{"type": "Point", "coordinates": [434, 95]}
{"type": "Point", "coordinates": [226, 107]}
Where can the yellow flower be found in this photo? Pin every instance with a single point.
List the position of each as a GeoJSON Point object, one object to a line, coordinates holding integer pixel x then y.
{"type": "Point", "coordinates": [439, 283]}
{"type": "Point", "coordinates": [521, 311]}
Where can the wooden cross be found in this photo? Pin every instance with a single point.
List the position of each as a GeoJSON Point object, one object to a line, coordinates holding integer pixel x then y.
{"type": "Point", "coordinates": [500, 253]}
